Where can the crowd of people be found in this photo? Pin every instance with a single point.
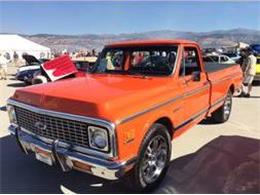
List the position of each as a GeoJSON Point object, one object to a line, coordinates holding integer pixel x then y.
{"type": "Point", "coordinates": [7, 60]}
{"type": "Point", "coordinates": [76, 54]}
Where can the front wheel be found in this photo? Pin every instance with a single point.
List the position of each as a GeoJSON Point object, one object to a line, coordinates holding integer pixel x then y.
{"type": "Point", "coordinates": [153, 160]}
{"type": "Point", "coordinates": [222, 114]}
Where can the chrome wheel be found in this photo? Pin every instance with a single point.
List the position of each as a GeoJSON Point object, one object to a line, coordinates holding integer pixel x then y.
{"type": "Point", "coordinates": [154, 159]}
{"type": "Point", "coordinates": [227, 106]}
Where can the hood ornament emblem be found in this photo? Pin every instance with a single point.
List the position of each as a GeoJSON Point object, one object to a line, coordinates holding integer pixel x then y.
{"type": "Point", "coordinates": [40, 125]}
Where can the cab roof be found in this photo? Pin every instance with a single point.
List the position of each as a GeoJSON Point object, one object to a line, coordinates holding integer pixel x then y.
{"type": "Point", "coordinates": [151, 42]}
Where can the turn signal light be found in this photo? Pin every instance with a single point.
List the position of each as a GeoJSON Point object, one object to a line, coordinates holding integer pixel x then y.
{"type": "Point", "coordinates": [81, 166]}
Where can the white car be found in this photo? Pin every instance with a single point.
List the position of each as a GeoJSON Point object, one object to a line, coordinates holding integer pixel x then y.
{"type": "Point", "coordinates": [32, 63]}
{"type": "Point", "coordinates": [221, 59]}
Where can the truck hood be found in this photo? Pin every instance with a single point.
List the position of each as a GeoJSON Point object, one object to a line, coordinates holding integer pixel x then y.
{"type": "Point", "coordinates": [31, 59]}
{"type": "Point", "coordinates": [109, 97]}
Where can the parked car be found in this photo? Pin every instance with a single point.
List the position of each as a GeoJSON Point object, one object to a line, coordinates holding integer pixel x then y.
{"type": "Point", "coordinates": [119, 119]}
{"type": "Point", "coordinates": [31, 63]}
{"type": "Point", "coordinates": [26, 75]}
{"type": "Point", "coordinates": [82, 64]}
{"type": "Point", "coordinates": [257, 76]}
{"type": "Point", "coordinates": [26, 72]}
{"type": "Point", "coordinates": [255, 48]}
{"type": "Point", "coordinates": [222, 59]}
{"type": "Point", "coordinates": [233, 56]}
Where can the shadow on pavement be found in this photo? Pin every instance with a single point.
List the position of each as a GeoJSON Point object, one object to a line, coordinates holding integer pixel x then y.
{"type": "Point", "coordinates": [3, 108]}
{"type": "Point", "coordinates": [13, 79]}
{"type": "Point", "coordinates": [228, 164]}
{"type": "Point", "coordinates": [16, 85]}
{"type": "Point", "coordinates": [208, 121]}
{"type": "Point", "coordinates": [23, 174]}
{"type": "Point", "coordinates": [253, 96]}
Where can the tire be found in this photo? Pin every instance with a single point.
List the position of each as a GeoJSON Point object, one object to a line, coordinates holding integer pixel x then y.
{"type": "Point", "coordinates": [238, 92]}
{"type": "Point", "coordinates": [27, 82]}
{"type": "Point", "coordinates": [39, 79]}
{"type": "Point", "coordinates": [152, 164]}
{"type": "Point", "coordinates": [222, 114]}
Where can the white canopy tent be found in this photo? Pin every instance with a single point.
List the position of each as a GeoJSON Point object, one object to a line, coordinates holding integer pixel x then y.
{"type": "Point", "coordinates": [15, 43]}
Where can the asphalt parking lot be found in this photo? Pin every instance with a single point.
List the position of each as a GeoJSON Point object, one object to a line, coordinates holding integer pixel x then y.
{"type": "Point", "coordinates": [209, 158]}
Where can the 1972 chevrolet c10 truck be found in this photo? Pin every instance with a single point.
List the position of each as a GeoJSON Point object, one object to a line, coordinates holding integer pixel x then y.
{"type": "Point", "coordinates": [118, 120]}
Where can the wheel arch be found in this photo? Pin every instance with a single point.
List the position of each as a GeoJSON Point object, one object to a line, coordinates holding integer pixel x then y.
{"type": "Point", "coordinates": [163, 120]}
{"type": "Point", "coordinates": [167, 122]}
{"type": "Point", "coordinates": [232, 88]}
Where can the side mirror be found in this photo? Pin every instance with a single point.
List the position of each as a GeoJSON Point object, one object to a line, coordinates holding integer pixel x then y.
{"type": "Point", "coordinates": [196, 76]}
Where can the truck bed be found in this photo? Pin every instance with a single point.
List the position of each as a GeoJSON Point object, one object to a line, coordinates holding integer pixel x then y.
{"type": "Point", "coordinates": [214, 67]}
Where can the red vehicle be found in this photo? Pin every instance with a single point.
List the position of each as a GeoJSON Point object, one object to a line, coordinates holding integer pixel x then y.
{"type": "Point", "coordinates": [118, 120]}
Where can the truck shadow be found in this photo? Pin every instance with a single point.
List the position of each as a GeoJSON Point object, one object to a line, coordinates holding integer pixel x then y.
{"type": "Point", "coordinates": [3, 108]}
{"type": "Point", "coordinates": [16, 85]}
{"type": "Point", "coordinates": [23, 174]}
{"type": "Point", "coordinates": [208, 121]}
{"type": "Point", "coordinates": [228, 164]}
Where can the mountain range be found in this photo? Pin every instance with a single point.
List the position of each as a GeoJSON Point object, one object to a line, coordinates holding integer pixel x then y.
{"type": "Point", "coordinates": [219, 38]}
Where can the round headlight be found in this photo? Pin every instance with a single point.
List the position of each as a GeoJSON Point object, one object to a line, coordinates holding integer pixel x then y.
{"type": "Point", "coordinates": [99, 140]}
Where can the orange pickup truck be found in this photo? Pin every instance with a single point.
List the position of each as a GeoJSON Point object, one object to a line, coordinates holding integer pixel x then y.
{"type": "Point", "coordinates": [118, 120]}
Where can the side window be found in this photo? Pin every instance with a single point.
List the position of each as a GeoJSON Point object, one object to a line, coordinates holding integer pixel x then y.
{"type": "Point", "coordinates": [223, 59]}
{"type": "Point", "coordinates": [112, 61]}
{"type": "Point", "coordinates": [215, 59]}
{"type": "Point", "coordinates": [190, 61]}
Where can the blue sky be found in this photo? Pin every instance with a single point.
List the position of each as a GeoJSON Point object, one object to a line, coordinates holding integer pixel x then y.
{"type": "Point", "coordinates": [126, 17]}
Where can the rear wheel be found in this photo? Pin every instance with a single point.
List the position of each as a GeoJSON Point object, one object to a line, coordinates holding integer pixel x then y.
{"type": "Point", "coordinates": [153, 160]}
{"type": "Point", "coordinates": [222, 114]}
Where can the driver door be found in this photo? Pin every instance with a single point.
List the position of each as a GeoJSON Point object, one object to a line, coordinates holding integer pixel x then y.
{"type": "Point", "coordinates": [194, 84]}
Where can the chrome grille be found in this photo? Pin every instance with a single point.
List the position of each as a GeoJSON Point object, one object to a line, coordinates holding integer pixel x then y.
{"type": "Point", "coordinates": [69, 131]}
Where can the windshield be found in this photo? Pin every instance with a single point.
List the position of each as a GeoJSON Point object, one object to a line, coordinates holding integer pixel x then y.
{"type": "Point", "coordinates": [157, 61]}
{"type": "Point", "coordinates": [210, 59]}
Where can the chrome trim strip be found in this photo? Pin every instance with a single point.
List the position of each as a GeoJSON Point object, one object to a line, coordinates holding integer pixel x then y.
{"type": "Point", "coordinates": [189, 93]}
{"type": "Point", "coordinates": [222, 79]}
{"type": "Point", "coordinates": [192, 118]}
{"type": "Point", "coordinates": [176, 60]}
{"type": "Point", "coordinates": [107, 124]}
{"type": "Point", "coordinates": [220, 100]}
{"type": "Point", "coordinates": [60, 114]}
{"type": "Point", "coordinates": [124, 120]}
{"type": "Point", "coordinates": [204, 111]}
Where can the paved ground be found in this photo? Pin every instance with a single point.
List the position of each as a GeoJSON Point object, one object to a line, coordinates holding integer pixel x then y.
{"type": "Point", "coordinates": [207, 159]}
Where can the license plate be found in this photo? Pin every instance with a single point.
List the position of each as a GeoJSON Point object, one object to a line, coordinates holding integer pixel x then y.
{"type": "Point", "coordinates": [43, 157]}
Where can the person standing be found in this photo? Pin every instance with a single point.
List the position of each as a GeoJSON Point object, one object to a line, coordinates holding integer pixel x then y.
{"type": "Point", "coordinates": [15, 58]}
{"type": "Point", "coordinates": [3, 67]}
{"type": "Point", "coordinates": [249, 73]}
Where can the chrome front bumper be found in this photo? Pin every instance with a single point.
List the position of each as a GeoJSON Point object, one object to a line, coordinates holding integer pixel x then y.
{"type": "Point", "coordinates": [69, 159]}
